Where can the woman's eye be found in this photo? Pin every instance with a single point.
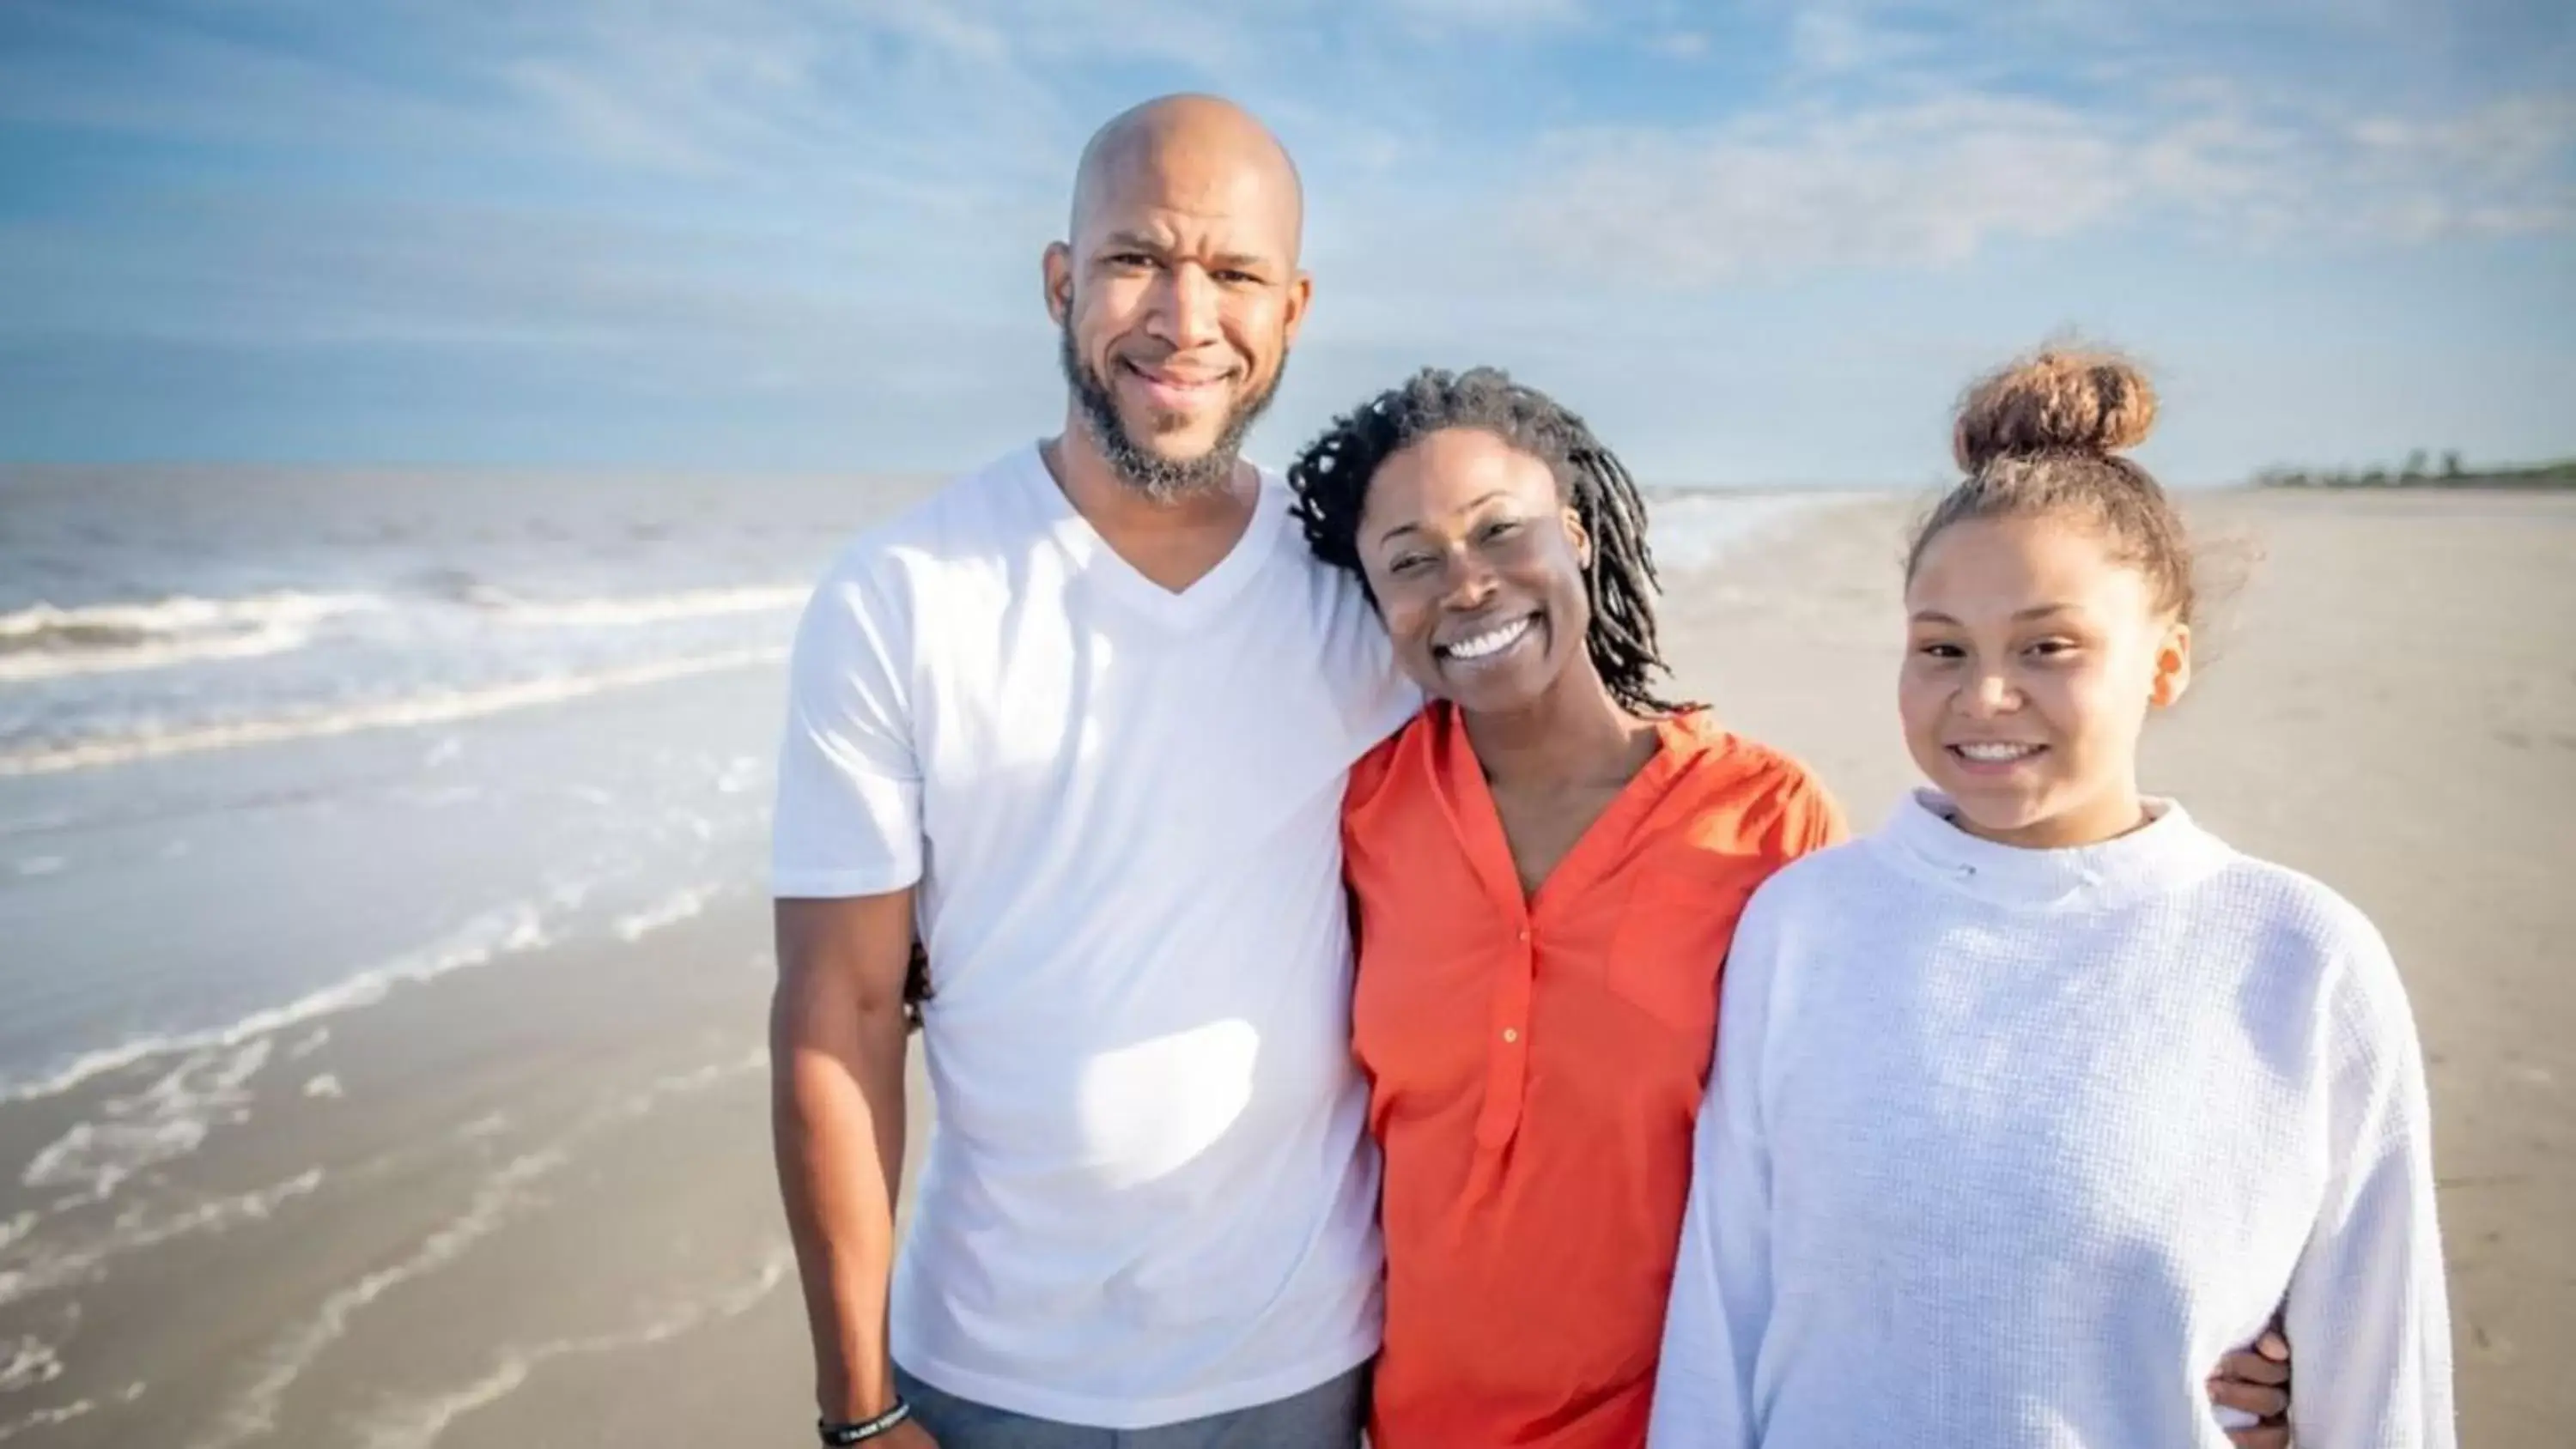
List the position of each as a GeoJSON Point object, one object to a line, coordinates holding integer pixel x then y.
{"type": "Point", "coordinates": [2053, 648]}
{"type": "Point", "coordinates": [1407, 563]}
{"type": "Point", "coordinates": [1940, 651]}
{"type": "Point", "coordinates": [1502, 528]}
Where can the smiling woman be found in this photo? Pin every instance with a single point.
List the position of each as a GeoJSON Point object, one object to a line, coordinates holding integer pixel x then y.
{"type": "Point", "coordinates": [1547, 863]}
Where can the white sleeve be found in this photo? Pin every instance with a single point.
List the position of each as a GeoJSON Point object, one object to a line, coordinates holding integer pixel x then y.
{"type": "Point", "coordinates": [2369, 1317]}
{"type": "Point", "coordinates": [848, 818]}
{"type": "Point", "coordinates": [1721, 1300]}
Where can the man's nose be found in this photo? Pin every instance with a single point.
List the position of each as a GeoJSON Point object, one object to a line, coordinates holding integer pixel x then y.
{"type": "Point", "coordinates": [1188, 308]}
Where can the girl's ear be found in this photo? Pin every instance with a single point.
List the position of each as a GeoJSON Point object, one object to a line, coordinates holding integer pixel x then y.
{"type": "Point", "coordinates": [1580, 537]}
{"type": "Point", "coordinates": [2173, 667]}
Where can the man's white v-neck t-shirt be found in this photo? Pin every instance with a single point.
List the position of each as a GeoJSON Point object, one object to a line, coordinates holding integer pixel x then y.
{"type": "Point", "coordinates": [1150, 1195]}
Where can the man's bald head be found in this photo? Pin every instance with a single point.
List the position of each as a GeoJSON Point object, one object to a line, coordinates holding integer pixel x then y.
{"type": "Point", "coordinates": [1196, 141]}
{"type": "Point", "coordinates": [1177, 291]}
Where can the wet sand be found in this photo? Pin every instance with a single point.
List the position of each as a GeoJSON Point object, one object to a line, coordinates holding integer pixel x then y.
{"type": "Point", "coordinates": [531, 1204]}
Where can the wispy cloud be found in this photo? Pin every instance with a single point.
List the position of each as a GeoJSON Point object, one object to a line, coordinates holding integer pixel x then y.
{"type": "Point", "coordinates": [1496, 12]}
{"type": "Point", "coordinates": [1936, 182]}
{"type": "Point", "coordinates": [1836, 40]}
{"type": "Point", "coordinates": [85, 70]}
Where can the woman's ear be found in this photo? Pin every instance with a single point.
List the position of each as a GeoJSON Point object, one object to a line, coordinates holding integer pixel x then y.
{"type": "Point", "coordinates": [1578, 535]}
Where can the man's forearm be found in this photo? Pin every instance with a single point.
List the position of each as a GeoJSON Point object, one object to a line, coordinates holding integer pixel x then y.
{"type": "Point", "coordinates": [837, 1117]}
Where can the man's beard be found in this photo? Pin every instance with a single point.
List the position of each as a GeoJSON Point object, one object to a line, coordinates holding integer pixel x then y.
{"type": "Point", "coordinates": [1161, 479]}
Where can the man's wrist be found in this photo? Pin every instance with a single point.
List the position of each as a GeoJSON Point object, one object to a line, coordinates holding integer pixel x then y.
{"type": "Point", "coordinates": [857, 1397]}
{"type": "Point", "coordinates": [859, 1431]}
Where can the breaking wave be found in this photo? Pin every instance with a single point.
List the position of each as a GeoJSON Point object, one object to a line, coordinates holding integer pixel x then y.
{"type": "Point", "coordinates": [44, 642]}
{"type": "Point", "coordinates": [437, 707]}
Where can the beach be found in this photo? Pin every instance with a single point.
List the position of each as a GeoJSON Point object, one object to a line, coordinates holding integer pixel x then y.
{"type": "Point", "coordinates": [394, 1075]}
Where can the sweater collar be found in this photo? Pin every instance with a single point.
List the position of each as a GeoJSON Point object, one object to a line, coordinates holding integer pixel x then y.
{"type": "Point", "coordinates": [2170, 850]}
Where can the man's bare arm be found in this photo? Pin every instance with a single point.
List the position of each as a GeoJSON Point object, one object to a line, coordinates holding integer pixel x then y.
{"type": "Point", "coordinates": [836, 1044]}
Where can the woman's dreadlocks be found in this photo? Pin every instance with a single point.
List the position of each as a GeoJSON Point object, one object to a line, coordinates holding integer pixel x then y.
{"type": "Point", "coordinates": [1331, 478]}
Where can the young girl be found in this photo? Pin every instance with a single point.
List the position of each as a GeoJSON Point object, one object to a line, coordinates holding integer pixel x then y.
{"type": "Point", "coordinates": [2028, 1106]}
{"type": "Point", "coordinates": [1547, 864]}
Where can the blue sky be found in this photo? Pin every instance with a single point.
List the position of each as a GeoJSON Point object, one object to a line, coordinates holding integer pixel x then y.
{"type": "Point", "coordinates": [1757, 243]}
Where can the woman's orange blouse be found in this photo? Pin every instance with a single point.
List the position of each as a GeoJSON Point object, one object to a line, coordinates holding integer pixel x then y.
{"type": "Point", "coordinates": [1535, 1066]}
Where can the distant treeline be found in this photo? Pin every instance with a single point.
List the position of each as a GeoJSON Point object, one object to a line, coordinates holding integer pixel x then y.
{"type": "Point", "coordinates": [2420, 471]}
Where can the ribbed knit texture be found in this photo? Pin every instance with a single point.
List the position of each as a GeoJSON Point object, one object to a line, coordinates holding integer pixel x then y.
{"type": "Point", "coordinates": [2006, 1147]}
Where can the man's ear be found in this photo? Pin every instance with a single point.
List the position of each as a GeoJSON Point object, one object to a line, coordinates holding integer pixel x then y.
{"type": "Point", "coordinates": [1301, 293]}
{"type": "Point", "coordinates": [1056, 274]}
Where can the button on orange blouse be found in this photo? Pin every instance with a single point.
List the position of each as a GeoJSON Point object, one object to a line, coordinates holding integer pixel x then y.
{"type": "Point", "coordinates": [1535, 1066]}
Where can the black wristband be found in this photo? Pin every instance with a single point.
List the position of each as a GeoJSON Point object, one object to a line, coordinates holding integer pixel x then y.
{"type": "Point", "coordinates": [860, 1431]}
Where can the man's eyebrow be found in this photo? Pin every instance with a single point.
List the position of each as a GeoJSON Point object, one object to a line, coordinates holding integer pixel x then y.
{"type": "Point", "coordinates": [1159, 246]}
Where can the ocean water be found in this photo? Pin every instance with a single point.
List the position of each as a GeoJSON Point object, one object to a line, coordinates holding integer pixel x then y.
{"type": "Point", "coordinates": [147, 613]}
{"type": "Point", "coordinates": [273, 742]}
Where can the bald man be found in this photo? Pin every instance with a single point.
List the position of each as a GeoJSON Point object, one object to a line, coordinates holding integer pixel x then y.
{"type": "Point", "coordinates": [1082, 720]}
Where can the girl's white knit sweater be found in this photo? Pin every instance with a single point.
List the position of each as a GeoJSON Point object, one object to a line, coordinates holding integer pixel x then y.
{"type": "Point", "coordinates": [2006, 1147]}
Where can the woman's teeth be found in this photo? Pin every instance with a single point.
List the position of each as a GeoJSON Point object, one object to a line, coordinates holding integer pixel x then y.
{"type": "Point", "coordinates": [1492, 641]}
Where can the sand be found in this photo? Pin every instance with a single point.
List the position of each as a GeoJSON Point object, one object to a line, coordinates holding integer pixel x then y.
{"type": "Point", "coordinates": [531, 1205]}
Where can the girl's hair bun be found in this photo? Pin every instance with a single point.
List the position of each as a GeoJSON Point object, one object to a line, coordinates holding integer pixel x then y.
{"type": "Point", "coordinates": [2055, 402]}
